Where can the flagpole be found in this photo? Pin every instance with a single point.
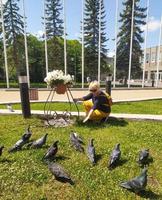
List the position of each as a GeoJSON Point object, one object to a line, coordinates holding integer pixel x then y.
{"type": "Point", "coordinates": [131, 44]}
{"type": "Point", "coordinates": [116, 28]}
{"type": "Point", "coordinates": [99, 43]}
{"type": "Point", "coordinates": [45, 39]}
{"type": "Point", "coordinates": [82, 43]}
{"type": "Point", "coordinates": [26, 46]}
{"type": "Point", "coordinates": [4, 46]}
{"type": "Point", "coordinates": [158, 54]}
{"type": "Point", "coordinates": [145, 45]}
{"type": "Point", "coordinates": [65, 55]}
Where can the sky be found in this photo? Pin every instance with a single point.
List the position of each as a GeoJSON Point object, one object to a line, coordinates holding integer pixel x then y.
{"type": "Point", "coordinates": [73, 9]}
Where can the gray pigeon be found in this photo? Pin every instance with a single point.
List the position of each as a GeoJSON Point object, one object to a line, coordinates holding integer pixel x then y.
{"type": "Point", "coordinates": [138, 183]}
{"type": "Point", "coordinates": [9, 107]}
{"type": "Point", "coordinates": [115, 156]}
{"type": "Point", "coordinates": [59, 173]}
{"type": "Point", "coordinates": [75, 143]}
{"type": "Point", "coordinates": [1, 149]}
{"type": "Point", "coordinates": [38, 143]}
{"type": "Point", "coordinates": [20, 143]}
{"type": "Point", "coordinates": [51, 151]}
{"type": "Point", "coordinates": [143, 157]}
{"type": "Point", "coordinates": [78, 137]}
{"type": "Point", "coordinates": [91, 152]}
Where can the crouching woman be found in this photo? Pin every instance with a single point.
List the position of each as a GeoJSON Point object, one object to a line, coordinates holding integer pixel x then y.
{"type": "Point", "coordinates": [97, 103]}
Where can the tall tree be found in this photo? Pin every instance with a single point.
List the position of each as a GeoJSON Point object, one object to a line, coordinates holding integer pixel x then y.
{"type": "Point", "coordinates": [54, 23]}
{"type": "Point", "coordinates": [91, 36]}
{"type": "Point", "coordinates": [124, 39]}
{"type": "Point", "coordinates": [14, 29]}
{"type": "Point", "coordinates": [54, 31]}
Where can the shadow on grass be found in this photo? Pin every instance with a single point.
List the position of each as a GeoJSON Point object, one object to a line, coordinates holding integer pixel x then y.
{"type": "Point", "coordinates": [149, 195]}
{"type": "Point", "coordinates": [118, 164]}
{"type": "Point", "coordinates": [112, 121]}
{"type": "Point", "coordinates": [57, 158]}
{"type": "Point", "coordinates": [98, 157]}
{"type": "Point", "coordinates": [5, 160]}
{"type": "Point", "coordinates": [147, 162]}
{"type": "Point", "coordinates": [116, 122]}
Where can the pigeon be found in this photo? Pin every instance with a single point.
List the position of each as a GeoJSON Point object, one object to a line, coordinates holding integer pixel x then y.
{"type": "Point", "coordinates": [9, 107]}
{"type": "Point", "coordinates": [27, 134]}
{"type": "Point", "coordinates": [115, 156]}
{"type": "Point", "coordinates": [91, 152]}
{"type": "Point", "coordinates": [143, 157]}
{"type": "Point", "coordinates": [78, 138]}
{"type": "Point", "coordinates": [136, 184]}
{"type": "Point", "coordinates": [38, 143]}
{"type": "Point", "coordinates": [59, 173]}
{"type": "Point", "coordinates": [1, 149]}
{"type": "Point", "coordinates": [75, 143]}
{"type": "Point", "coordinates": [51, 151]}
{"type": "Point", "coordinates": [20, 143]}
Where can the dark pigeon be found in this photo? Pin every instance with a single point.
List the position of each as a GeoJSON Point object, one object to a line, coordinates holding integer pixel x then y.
{"type": "Point", "coordinates": [143, 157]}
{"type": "Point", "coordinates": [115, 156]}
{"type": "Point", "coordinates": [91, 152]}
{"type": "Point", "coordinates": [1, 149]}
{"type": "Point", "coordinates": [59, 173]}
{"type": "Point", "coordinates": [38, 143]}
{"type": "Point", "coordinates": [138, 183]}
{"type": "Point", "coordinates": [20, 143]}
{"type": "Point", "coordinates": [75, 143]}
{"type": "Point", "coordinates": [52, 151]}
{"type": "Point", "coordinates": [27, 134]}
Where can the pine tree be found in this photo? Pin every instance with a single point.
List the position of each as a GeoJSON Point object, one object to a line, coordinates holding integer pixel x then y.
{"type": "Point", "coordinates": [124, 39]}
{"type": "Point", "coordinates": [91, 37]}
{"type": "Point", "coordinates": [54, 30]}
{"type": "Point", "coordinates": [14, 30]}
{"type": "Point", "coordinates": [54, 24]}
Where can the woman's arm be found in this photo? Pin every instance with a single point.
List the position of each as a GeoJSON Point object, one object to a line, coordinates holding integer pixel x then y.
{"type": "Point", "coordinates": [88, 116]}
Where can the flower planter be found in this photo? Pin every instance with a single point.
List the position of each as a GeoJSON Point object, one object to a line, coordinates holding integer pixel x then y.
{"type": "Point", "coordinates": [61, 89]}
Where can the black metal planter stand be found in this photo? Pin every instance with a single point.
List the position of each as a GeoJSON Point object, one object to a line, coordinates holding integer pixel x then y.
{"type": "Point", "coordinates": [51, 114]}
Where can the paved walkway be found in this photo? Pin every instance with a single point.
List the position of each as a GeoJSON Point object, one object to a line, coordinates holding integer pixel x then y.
{"type": "Point", "coordinates": [120, 116]}
{"type": "Point", "coordinates": [117, 95]}
{"type": "Point", "coordinates": [13, 96]}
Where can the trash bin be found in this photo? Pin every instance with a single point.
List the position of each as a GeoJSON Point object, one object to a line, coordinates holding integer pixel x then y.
{"type": "Point", "coordinates": [33, 94]}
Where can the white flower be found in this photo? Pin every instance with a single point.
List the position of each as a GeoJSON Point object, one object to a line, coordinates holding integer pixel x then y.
{"type": "Point", "coordinates": [57, 77]}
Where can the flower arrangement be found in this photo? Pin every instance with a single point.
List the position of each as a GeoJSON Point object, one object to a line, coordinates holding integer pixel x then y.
{"type": "Point", "coordinates": [57, 77]}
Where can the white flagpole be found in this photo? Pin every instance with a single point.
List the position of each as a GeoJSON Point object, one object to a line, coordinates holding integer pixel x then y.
{"type": "Point", "coordinates": [158, 54]}
{"type": "Point", "coordinates": [99, 43]}
{"type": "Point", "coordinates": [116, 29]}
{"type": "Point", "coordinates": [4, 46]}
{"type": "Point", "coordinates": [131, 44]}
{"type": "Point", "coordinates": [145, 45]}
{"type": "Point", "coordinates": [65, 55]}
{"type": "Point", "coordinates": [45, 38]}
{"type": "Point", "coordinates": [26, 46]}
{"type": "Point", "coordinates": [82, 43]}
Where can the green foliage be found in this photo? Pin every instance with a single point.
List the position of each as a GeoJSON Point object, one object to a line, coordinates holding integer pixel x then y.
{"type": "Point", "coordinates": [54, 23]}
{"type": "Point", "coordinates": [14, 31]}
{"type": "Point", "coordinates": [36, 59]}
{"type": "Point", "coordinates": [91, 38]}
{"type": "Point", "coordinates": [25, 176]}
{"type": "Point", "coordinates": [124, 37]}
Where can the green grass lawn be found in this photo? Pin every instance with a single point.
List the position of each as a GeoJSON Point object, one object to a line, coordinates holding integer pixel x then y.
{"type": "Point", "coordinates": [142, 107]}
{"type": "Point", "coordinates": [23, 175]}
